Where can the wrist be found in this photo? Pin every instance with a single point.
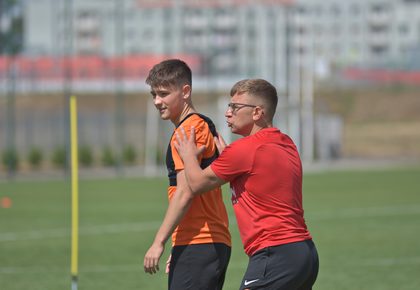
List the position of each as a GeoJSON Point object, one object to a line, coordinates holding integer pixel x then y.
{"type": "Point", "coordinates": [190, 159]}
{"type": "Point", "coordinates": [161, 241]}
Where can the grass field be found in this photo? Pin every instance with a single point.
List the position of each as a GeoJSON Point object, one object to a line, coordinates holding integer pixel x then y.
{"type": "Point", "coordinates": [366, 225]}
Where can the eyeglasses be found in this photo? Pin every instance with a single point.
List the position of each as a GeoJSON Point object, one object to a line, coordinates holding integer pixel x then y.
{"type": "Point", "coordinates": [234, 107]}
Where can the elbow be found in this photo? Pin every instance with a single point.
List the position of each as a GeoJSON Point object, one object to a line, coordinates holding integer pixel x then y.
{"type": "Point", "coordinates": [196, 189]}
{"type": "Point", "coordinates": [187, 198]}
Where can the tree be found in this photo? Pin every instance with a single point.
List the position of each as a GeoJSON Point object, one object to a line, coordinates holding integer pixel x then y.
{"type": "Point", "coordinates": [11, 27]}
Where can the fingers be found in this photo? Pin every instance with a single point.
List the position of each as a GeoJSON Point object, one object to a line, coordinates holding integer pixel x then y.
{"type": "Point", "coordinates": [185, 145]}
{"type": "Point", "coordinates": [201, 150]}
{"type": "Point", "coordinates": [192, 133]}
{"type": "Point", "coordinates": [168, 263]}
{"type": "Point", "coordinates": [181, 136]}
{"type": "Point", "coordinates": [220, 143]}
{"type": "Point", "coordinates": [151, 260]}
{"type": "Point", "coordinates": [151, 265]}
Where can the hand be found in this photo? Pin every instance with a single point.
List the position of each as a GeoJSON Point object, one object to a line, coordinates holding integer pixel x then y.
{"type": "Point", "coordinates": [186, 146]}
{"type": "Point", "coordinates": [151, 259]}
{"type": "Point", "coordinates": [168, 264]}
{"type": "Point", "coordinates": [220, 143]}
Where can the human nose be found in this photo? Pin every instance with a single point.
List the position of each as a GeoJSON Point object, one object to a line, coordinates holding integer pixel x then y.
{"type": "Point", "coordinates": [228, 112]}
{"type": "Point", "coordinates": [157, 100]}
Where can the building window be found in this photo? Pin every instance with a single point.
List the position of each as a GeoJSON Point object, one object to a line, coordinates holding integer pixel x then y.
{"type": "Point", "coordinates": [354, 9]}
{"type": "Point", "coordinates": [355, 29]}
{"type": "Point", "coordinates": [403, 49]}
{"type": "Point", "coordinates": [319, 11]}
{"type": "Point", "coordinates": [379, 49]}
{"type": "Point", "coordinates": [378, 28]}
{"type": "Point", "coordinates": [403, 29]}
{"type": "Point", "coordinates": [379, 8]}
{"type": "Point", "coordinates": [301, 10]}
{"type": "Point", "coordinates": [302, 30]}
{"type": "Point", "coordinates": [317, 28]}
{"type": "Point", "coordinates": [335, 10]}
{"type": "Point", "coordinates": [336, 30]}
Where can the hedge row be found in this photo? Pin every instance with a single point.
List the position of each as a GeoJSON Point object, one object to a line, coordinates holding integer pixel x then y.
{"type": "Point", "coordinates": [58, 158]}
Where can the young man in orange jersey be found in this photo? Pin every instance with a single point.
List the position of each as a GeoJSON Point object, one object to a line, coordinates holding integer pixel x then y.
{"type": "Point", "coordinates": [200, 236]}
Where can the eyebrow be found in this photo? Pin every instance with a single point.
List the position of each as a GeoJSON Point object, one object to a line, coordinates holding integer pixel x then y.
{"type": "Point", "coordinates": [159, 91]}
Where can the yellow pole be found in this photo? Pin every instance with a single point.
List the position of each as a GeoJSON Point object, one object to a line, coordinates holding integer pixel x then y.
{"type": "Point", "coordinates": [74, 192]}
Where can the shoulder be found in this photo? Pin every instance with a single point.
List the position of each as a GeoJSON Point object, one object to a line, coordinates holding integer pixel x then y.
{"type": "Point", "coordinates": [199, 122]}
{"type": "Point", "coordinates": [244, 142]}
{"type": "Point", "coordinates": [204, 131]}
{"type": "Point", "coordinates": [242, 148]}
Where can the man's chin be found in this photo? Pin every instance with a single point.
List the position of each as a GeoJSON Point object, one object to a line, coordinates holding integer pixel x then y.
{"type": "Point", "coordinates": [235, 131]}
{"type": "Point", "coordinates": [164, 117]}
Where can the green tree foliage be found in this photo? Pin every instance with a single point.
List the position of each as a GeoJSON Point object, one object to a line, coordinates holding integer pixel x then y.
{"type": "Point", "coordinates": [108, 157]}
{"type": "Point", "coordinates": [129, 154]}
{"type": "Point", "coordinates": [11, 32]}
{"type": "Point", "coordinates": [35, 157]}
{"type": "Point", "coordinates": [85, 156]}
{"type": "Point", "coordinates": [59, 157]}
{"type": "Point", "coordinates": [10, 159]}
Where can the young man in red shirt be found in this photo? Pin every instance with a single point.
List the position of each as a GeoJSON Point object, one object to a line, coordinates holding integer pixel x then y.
{"type": "Point", "coordinates": [200, 237]}
{"type": "Point", "coordinates": [265, 174]}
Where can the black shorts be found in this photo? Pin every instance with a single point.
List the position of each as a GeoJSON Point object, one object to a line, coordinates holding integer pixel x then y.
{"type": "Point", "coordinates": [291, 266]}
{"type": "Point", "coordinates": [198, 267]}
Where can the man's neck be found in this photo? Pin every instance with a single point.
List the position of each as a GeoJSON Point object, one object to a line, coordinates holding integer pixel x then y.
{"type": "Point", "coordinates": [256, 128]}
{"type": "Point", "coordinates": [185, 112]}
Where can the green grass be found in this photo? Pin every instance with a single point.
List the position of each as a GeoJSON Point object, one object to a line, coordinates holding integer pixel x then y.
{"type": "Point", "coordinates": [366, 225]}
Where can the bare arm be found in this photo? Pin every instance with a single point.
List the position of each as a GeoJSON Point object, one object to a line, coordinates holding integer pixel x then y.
{"type": "Point", "coordinates": [178, 207]}
{"type": "Point", "coordinates": [199, 180]}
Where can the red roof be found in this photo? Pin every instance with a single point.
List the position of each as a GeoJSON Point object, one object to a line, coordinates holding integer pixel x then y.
{"type": "Point", "coordinates": [383, 75]}
{"type": "Point", "coordinates": [91, 67]}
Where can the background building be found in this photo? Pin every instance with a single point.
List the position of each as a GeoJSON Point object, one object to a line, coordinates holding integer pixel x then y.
{"type": "Point", "coordinates": [232, 38]}
{"type": "Point", "coordinates": [358, 32]}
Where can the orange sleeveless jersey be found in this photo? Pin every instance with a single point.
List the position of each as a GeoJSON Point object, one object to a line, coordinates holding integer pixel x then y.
{"type": "Point", "coordinates": [206, 221]}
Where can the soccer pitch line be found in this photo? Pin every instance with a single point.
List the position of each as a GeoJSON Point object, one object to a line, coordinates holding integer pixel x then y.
{"type": "Point", "coordinates": [390, 262]}
{"type": "Point", "coordinates": [86, 230]}
{"type": "Point", "coordinates": [85, 269]}
{"type": "Point", "coordinates": [384, 262]}
{"type": "Point", "coordinates": [347, 213]}
{"type": "Point", "coordinates": [366, 212]}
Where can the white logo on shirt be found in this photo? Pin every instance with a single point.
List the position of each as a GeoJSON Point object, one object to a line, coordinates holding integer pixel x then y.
{"type": "Point", "coordinates": [246, 282]}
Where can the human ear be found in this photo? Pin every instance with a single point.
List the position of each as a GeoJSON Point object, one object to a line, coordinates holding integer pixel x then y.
{"type": "Point", "coordinates": [258, 113]}
{"type": "Point", "coordinates": [186, 91]}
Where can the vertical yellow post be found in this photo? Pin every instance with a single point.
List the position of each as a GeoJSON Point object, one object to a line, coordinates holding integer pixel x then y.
{"type": "Point", "coordinates": [74, 193]}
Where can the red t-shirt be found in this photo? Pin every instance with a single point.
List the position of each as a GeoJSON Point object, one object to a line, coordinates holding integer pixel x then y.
{"type": "Point", "coordinates": [265, 175]}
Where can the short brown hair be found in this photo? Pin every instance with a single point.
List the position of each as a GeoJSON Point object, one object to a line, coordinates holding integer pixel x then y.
{"type": "Point", "coordinates": [170, 72]}
{"type": "Point", "coordinates": [260, 89]}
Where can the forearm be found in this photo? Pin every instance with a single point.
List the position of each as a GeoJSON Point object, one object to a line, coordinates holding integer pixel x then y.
{"type": "Point", "coordinates": [200, 180]}
{"type": "Point", "coordinates": [178, 207]}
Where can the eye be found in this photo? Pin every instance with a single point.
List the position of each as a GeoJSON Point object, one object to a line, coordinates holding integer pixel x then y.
{"type": "Point", "coordinates": [232, 106]}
